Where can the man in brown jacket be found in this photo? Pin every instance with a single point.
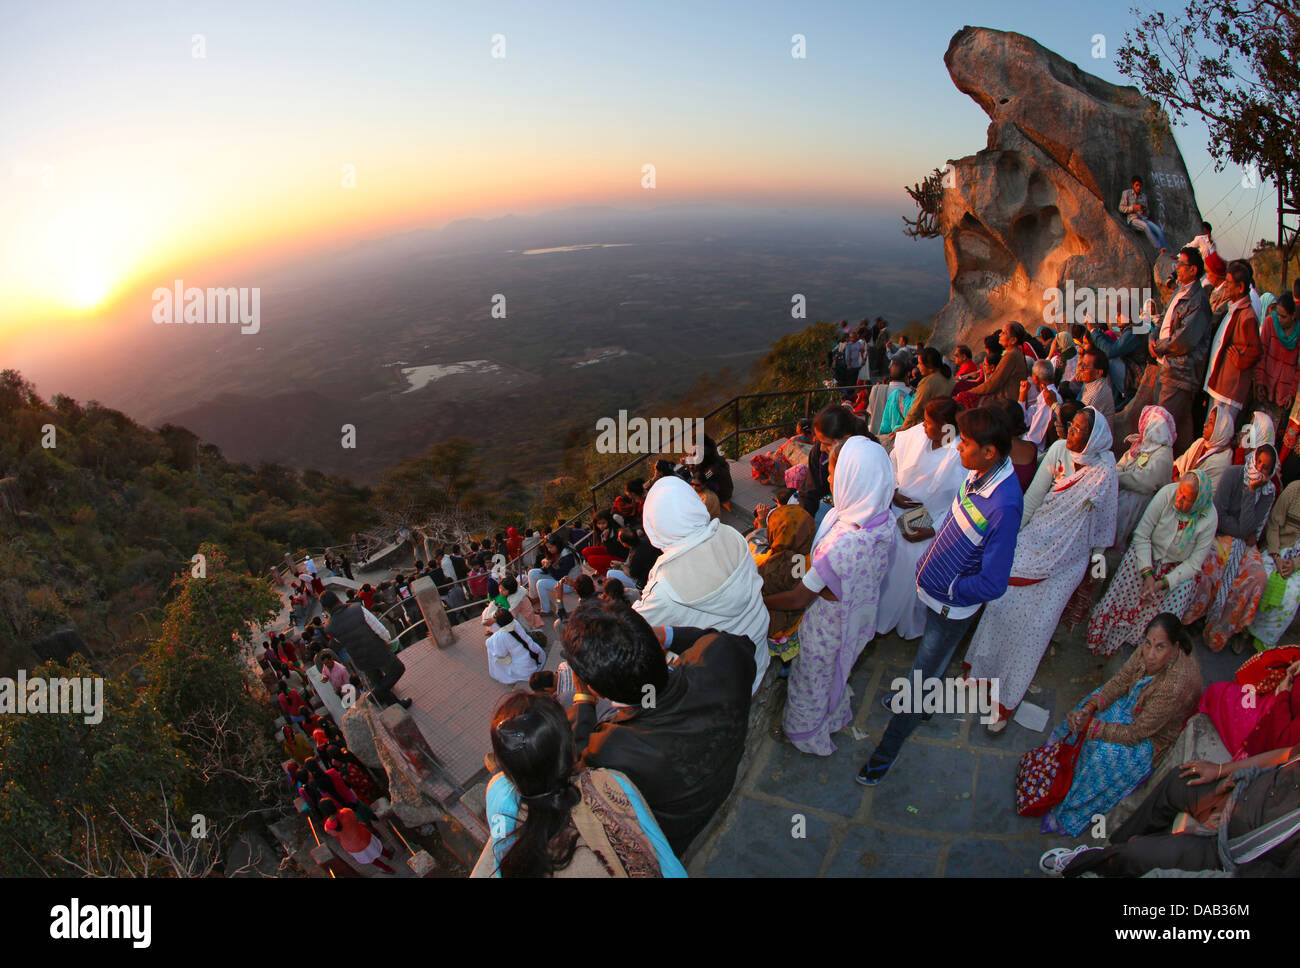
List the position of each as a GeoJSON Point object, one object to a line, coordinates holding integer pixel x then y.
{"type": "Point", "coordinates": [1236, 347]}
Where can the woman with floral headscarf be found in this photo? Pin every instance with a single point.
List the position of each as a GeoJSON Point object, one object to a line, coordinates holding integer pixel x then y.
{"type": "Point", "coordinates": [1232, 578]}
{"type": "Point", "coordinates": [840, 594]}
{"type": "Point", "coordinates": [1158, 573]}
{"type": "Point", "coordinates": [1212, 451]}
{"type": "Point", "coordinates": [1145, 468]}
{"type": "Point", "coordinates": [790, 532]}
{"type": "Point", "coordinates": [1069, 514]}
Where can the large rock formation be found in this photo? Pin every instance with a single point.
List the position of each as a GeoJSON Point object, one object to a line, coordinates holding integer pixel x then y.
{"type": "Point", "coordinates": [1039, 207]}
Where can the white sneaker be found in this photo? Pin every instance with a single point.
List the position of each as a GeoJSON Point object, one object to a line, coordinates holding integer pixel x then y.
{"type": "Point", "coordinates": [1055, 861]}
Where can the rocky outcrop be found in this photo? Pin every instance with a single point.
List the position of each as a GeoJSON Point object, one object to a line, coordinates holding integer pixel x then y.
{"type": "Point", "coordinates": [1039, 207]}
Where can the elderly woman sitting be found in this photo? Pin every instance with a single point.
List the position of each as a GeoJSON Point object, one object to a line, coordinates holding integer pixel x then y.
{"type": "Point", "coordinates": [1144, 468]}
{"type": "Point", "coordinates": [1128, 724]}
{"type": "Point", "coordinates": [1233, 576]}
{"type": "Point", "coordinates": [1158, 574]}
{"type": "Point", "coordinates": [705, 577]}
{"type": "Point", "coordinates": [1211, 452]}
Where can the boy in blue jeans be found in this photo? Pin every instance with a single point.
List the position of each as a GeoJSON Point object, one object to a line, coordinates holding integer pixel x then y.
{"type": "Point", "coordinates": [968, 564]}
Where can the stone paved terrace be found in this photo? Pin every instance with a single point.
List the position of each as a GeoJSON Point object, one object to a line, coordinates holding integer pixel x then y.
{"type": "Point", "coordinates": [947, 808]}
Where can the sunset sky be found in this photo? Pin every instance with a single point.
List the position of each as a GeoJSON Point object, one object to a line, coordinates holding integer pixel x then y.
{"type": "Point", "coordinates": [124, 158]}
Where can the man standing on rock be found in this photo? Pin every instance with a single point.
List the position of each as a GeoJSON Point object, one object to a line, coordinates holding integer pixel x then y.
{"type": "Point", "coordinates": [1179, 345]}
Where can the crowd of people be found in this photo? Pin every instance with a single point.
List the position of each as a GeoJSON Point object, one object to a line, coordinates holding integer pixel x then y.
{"type": "Point", "coordinates": [1058, 481]}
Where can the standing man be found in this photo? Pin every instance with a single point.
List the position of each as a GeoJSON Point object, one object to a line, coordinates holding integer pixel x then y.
{"type": "Point", "coordinates": [365, 640]}
{"type": "Point", "coordinates": [968, 563]}
{"type": "Point", "coordinates": [1236, 348]}
{"type": "Point", "coordinates": [1178, 346]}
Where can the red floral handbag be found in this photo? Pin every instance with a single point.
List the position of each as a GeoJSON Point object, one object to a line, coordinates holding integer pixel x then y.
{"type": "Point", "coordinates": [1045, 775]}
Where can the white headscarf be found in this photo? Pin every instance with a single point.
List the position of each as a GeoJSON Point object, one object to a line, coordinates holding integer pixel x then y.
{"type": "Point", "coordinates": [1258, 432]}
{"type": "Point", "coordinates": [1097, 449]}
{"type": "Point", "coordinates": [674, 517]}
{"type": "Point", "coordinates": [1221, 435]}
{"type": "Point", "coordinates": [863, 484]}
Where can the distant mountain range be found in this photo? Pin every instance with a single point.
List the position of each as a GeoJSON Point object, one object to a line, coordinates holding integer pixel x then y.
{"type": "Point", "coordinates": [687, 291]}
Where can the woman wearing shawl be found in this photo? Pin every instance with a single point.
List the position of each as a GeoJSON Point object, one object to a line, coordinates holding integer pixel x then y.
{"type": "Point", "coordinates": [840, 593]}
{"type": "Point", "coordinates": [1232, 578]}
{"type": "Point", "coordinates": [1145, 468]}
{"type": "Point", "coordinates": [1069, 514]}
{"type": "Point", "coordinates": [1212, 452]}
{"type": "Point", "coordinates": [1281, 597]}
{"type": "Point", "coordinates": [1128, 725]}
{"type": "Point", "coordinates": [789, 533]}
{"type": "Point", "coordinates": [1257, 433]}
{"type": "Point", "coordinates": [705, 577]}
{"type": "Point", "coordinates": [1250, 724]}
{"type": "Point", "coordinates": [1158, 573]}
{"type": "Point", "coordinates": [927, 473]}
{"type": "Point", "coordinates": [898, 401]}
{"type": "Point", "coordinates": [1277, 375]}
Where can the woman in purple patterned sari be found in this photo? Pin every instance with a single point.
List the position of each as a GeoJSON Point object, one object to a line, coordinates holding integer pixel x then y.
{"type": "Point", "coordinates": [841, 591]}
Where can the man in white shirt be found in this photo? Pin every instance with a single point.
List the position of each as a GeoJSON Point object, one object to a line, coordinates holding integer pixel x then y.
{"type": "Point", "coordinates": [1039, 414]}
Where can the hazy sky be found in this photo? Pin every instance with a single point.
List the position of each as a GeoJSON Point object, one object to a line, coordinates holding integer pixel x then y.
{"type": "Point", "coordinates": [123, 155]}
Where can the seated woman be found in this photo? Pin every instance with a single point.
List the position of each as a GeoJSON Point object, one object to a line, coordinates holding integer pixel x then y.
{"type": "Point", "coordinates": [1128, 724]}
{"type": "Point", "coordinates": [839, 594]}
{"type": "Point", "coordinates": [1211, 452]}
{"type": "Point", "coordinates": [1256, 434]}
{"type": "Point", "coordinates": [1069, 515]}
{"type": "Point", "coordinates": [1024, 453]}
{"type": "Point", "coordinates": [1252, 723]}
{"type": "Point", "coordinates": [1281, 598]}
{"type": "Point", "coordinates": [705, 577]}
{"type": "Point", "coordinates": [512, 655]}
{"type": "Point", "coordinates": [789, 547]}
{"type": "Point", "coordinates": [604, 549]}
{"type": "Point", "coordinates": [1232, 578]}
{"type": "Point", "coordinates": [927, 473]}
{"type": "Point", "coordinates": [897, 401]}
{"type": "Point", "coordinates": [1144, 468]}
{"type": "Point", "coordinates": [1059, 429]}
{"type": "Point", "coordinates": [936, 382]}
{"type": "Point", "coordinates": [1006, 378]}
{"type": "Point", "coordinates": [714, 472]}
{"type": "Point", "coordinates": [553, 568]}
{"type": "Point", "coordinates": [548, 819]}
{"type": "Point", "coordinates": [1158, 573]}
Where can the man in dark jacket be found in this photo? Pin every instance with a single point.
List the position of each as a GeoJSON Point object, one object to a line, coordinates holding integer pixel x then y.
{"type": "Point", "coordinates": [1180, 345]}
{"type": "Point", "coordinates": [366, 641]}
{"type": "Point", "coordinates": [681, 734]}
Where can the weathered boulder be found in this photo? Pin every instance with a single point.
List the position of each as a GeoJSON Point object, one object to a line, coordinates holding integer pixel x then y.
{"type": "Point", "coordinates": [1039, 207]}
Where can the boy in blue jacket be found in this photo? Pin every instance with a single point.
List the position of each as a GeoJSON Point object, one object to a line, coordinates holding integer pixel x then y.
{"type": "Point", "coordinates": [968, 563]}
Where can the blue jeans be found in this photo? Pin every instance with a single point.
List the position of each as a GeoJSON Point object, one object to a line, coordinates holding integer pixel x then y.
{"type": "Point", "coordinates": [938, 643]}
{"type": "Point", "coordinates": [542, 584]}
{"type": "Point", "coordinates": [1152, 230]}
{"type": "Point", "coordinates": [823, 509]}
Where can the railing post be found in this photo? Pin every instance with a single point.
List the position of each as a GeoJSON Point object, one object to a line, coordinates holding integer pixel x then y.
{"type": "Point", "coordinates": [736, 439]}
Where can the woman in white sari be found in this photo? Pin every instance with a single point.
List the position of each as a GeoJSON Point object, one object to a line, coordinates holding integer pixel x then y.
{"type": "Point", "coordinates": [706, 577]}
{"type": "Point", "coordinates": [1069, 516]}
{"type": "Point", "coordinates": [840, 593]}
{"type": "Point", "coordinates": [927, 473]}
{"type": "Point", "coordinates": [1144, 469]}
